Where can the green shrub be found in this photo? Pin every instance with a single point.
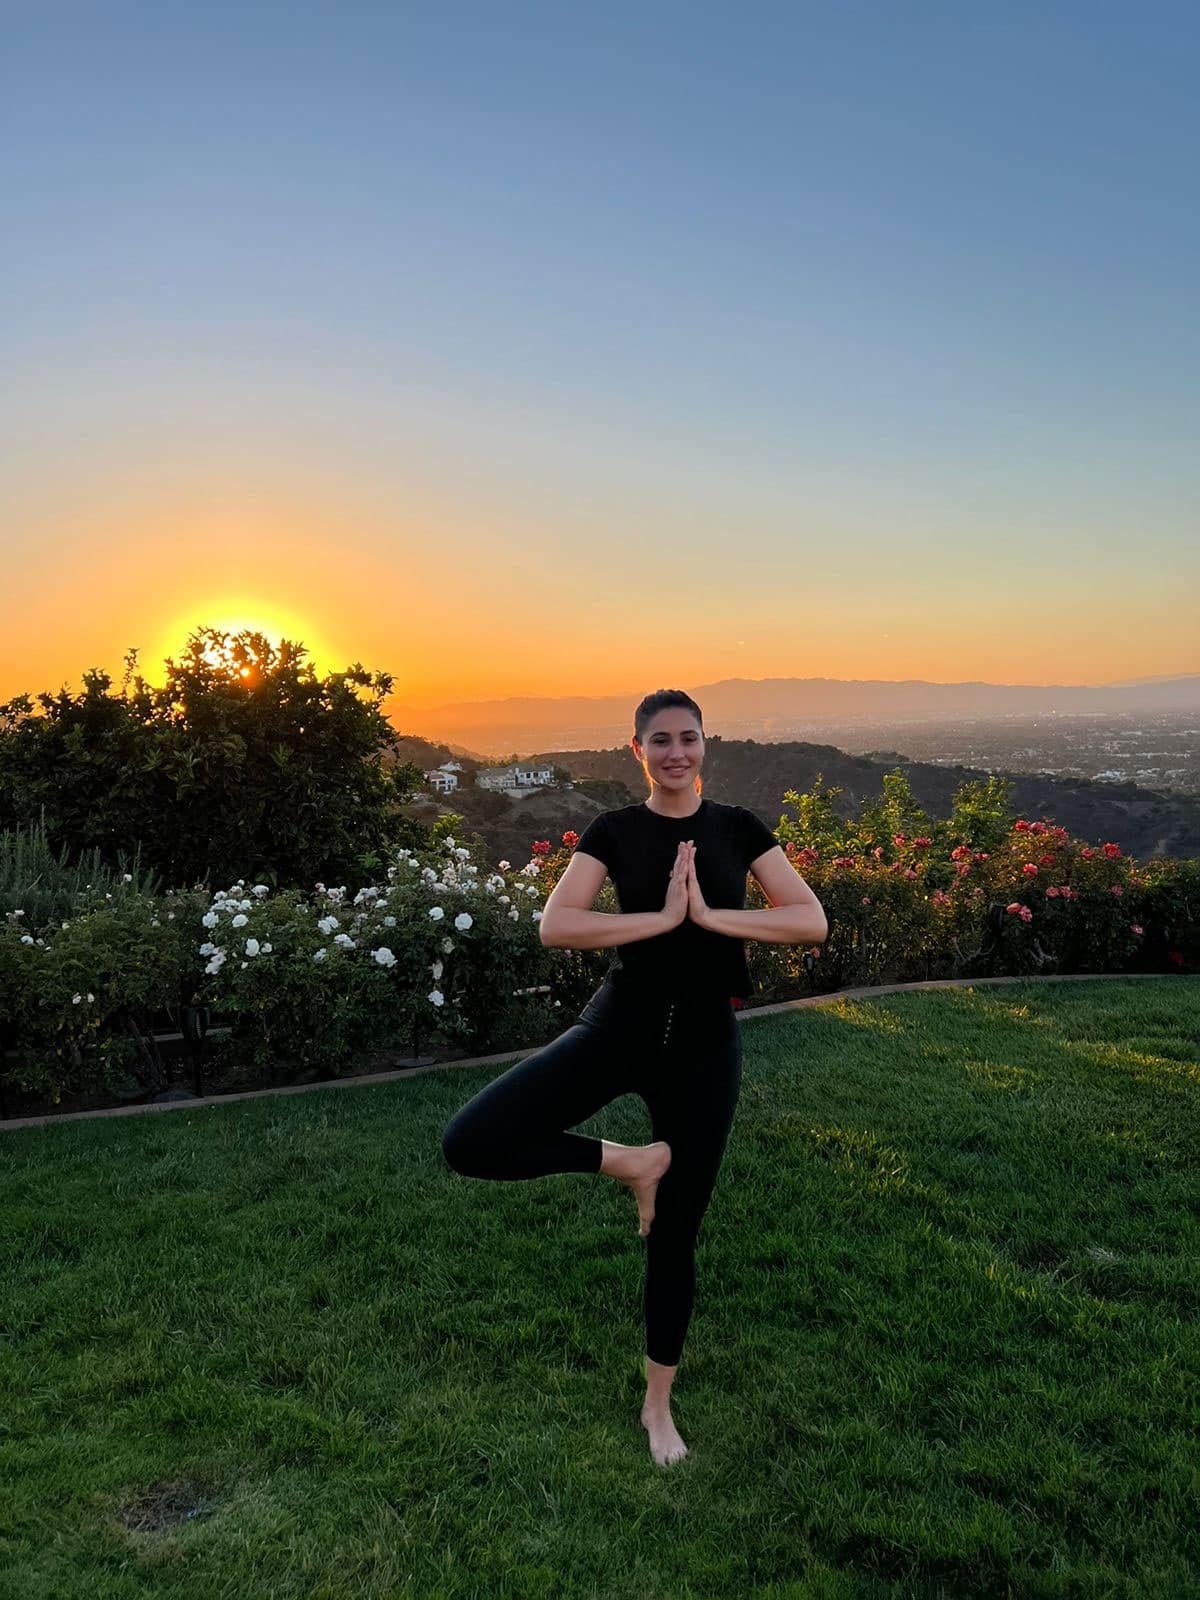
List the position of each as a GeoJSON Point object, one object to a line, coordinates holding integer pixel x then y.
{"type": "Point", "coordinates": [243, 761]}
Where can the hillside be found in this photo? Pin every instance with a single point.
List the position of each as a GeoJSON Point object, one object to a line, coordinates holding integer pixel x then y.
{"type": "Point", "coordinates": [743, 772]}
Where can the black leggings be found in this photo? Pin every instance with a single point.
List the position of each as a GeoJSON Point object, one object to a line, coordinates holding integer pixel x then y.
{"type": "Point", "coordinates": [684, 1058]}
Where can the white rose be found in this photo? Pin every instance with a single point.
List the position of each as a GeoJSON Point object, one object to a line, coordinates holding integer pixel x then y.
{"type": "Point", "coordinates": [319, 955]}
{"type": "Point", "coordinates": [26, 938]}
{"type": "Point", "coordinates": [75, 999]}
{"type": "Point", "coordinates": [344, 939]}
{"type": "Point", "coordinates": [436, 913]}
{"type": "Point", "coordinates": [327, 924]}
{"type": "Point", "coordinates": [261, 889]}
{"type": "Point", "coordinates": [252, 947]}
{"type": "Point", "coordinates": [389, 922]}
{"type": "Point", "coordinates": [436, 996]}
{"type": "Point", "coordinates": [240, 921]}
{"type": "Point", "coordinates": [436, 969]}
{"type": "Point", "coordinates": [266, 949]}
{"type": "Point", "coordinates": [463, 921]}
{"type": "Point", "coordinates": [209, 919]}
{"type": "Point", "coordinates": [385, 957]}
{"type": "Point", "coordinates": [447, 945]}
{"type": "Point", "coordinates": [207, 948]}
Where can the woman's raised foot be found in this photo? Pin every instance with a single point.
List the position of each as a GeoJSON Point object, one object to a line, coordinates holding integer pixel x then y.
{"type": "Point", "coordinates": [638, 1167]}
{"type": "Point", "coordinates": [645, 1187]}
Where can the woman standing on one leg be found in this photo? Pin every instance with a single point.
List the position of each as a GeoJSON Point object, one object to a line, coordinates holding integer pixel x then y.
{"type": "Point", "coordinates": [663, 1024]}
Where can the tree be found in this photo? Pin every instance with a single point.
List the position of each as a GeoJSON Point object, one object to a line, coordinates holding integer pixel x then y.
{"type": "Point", "coordinates": [244, 764]}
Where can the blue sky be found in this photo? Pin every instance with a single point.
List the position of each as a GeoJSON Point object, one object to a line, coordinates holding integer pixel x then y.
{"type": "Point", "coordinates": [867, 335]}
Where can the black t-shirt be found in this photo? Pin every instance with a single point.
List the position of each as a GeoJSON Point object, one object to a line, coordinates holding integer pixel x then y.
{"type": "Point", "coordinates": [638, 846]}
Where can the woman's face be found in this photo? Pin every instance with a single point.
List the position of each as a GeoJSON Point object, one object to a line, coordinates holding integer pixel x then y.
{"type": "Point", "coordinates": [673, 748]}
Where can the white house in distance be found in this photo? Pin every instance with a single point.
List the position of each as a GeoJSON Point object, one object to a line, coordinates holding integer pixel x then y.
{"type": "Point", "coordinates": [514, 777]}
{"type": "Point", "coordinates": [442, 779]}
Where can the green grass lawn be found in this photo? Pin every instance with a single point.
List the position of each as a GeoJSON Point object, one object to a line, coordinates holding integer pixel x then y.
{"type": "Point", "coordinates": [946, 1338]}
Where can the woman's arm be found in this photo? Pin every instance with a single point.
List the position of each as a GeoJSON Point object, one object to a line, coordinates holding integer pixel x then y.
{"type": "Point", "coordinates": [567, 923]}
{"type": "Point", "coordinates": [575, 929]}
{"type": "Point", "coordinates": [793, 917]}
{"type": "Point", "coordinates": [801, 923]}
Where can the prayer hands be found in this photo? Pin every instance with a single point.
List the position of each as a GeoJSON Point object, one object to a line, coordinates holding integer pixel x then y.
{"type": "Point", "coordinates": [697, 906]}
{"type": "Point", "coordinates": [684, 897]}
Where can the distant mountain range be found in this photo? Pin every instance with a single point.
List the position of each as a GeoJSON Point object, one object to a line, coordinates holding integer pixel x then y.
{"type": "Point", "coordinates": [769, 709]}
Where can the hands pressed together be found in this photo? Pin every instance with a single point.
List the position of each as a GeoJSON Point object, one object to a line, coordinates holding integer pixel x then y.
{"type": "Point", "coordinates": [684, 898]}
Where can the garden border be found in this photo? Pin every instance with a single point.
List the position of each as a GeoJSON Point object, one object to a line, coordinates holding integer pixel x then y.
{"type": "Point", "coordinates": [513, 1056]}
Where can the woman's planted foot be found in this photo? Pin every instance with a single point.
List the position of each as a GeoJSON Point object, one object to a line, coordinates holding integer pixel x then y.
{"type": "Point", "coordinates": [665, 1443]}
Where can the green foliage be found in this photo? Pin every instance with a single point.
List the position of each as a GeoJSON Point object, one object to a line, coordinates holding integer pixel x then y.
{"type": "Point", "coordinates": [45, 886]}
{"type": "Point", "coordinates": [982, 813]}
{"type": "Point", "coordinates": [243, 761]}
{"type": "Point", "coordinates": [609, 793]}
{"type": "Point", "coordinates": [816, 824]}
{"type": "Point", "coordinates": [77, 1000]}
{"type": "Point", "coordinates": [439, 951]}
{"type": "Point", "coordinates": [897, 811]}
{"type": "Point", "coordinates": [981, 816]}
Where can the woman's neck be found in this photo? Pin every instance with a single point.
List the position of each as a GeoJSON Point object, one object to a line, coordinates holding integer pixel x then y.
{"type": "Point", "coordinates": [663, 811]}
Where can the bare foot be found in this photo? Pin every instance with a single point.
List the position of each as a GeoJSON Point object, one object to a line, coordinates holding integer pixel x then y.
{"type": "Point", "coordinates": [639, 1167]}
{"type": "Point", "coordinates": [665, 1444]}
{"type": "Point", "coordinates": [645, 1185]}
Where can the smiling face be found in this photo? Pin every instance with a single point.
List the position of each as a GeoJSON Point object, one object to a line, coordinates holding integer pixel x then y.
{"type": "Point", "coordinates": [672, 750]}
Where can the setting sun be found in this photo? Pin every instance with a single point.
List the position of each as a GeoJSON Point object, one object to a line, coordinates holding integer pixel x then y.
{"type": "Point", "coordinates": [273, 624]}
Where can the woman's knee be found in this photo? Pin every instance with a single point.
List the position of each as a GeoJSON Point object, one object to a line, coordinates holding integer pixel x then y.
{"type": "Point", "coordinates": [460, 1147]}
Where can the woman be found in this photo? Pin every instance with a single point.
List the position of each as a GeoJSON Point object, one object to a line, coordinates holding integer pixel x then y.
{"type": "Point", "coordinates": [663, 1024]}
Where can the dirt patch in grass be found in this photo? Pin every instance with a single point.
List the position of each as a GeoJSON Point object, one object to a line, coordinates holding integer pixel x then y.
{"type": "Point", "coordinates": [166, 1505]}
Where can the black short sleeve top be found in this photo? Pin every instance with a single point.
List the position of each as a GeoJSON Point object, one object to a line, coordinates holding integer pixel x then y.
{"type": "Point", "coordinates": [638, 847]}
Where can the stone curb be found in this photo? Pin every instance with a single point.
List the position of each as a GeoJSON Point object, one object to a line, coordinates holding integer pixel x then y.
{"type": "Point", "coordinates": [513, 1056]}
